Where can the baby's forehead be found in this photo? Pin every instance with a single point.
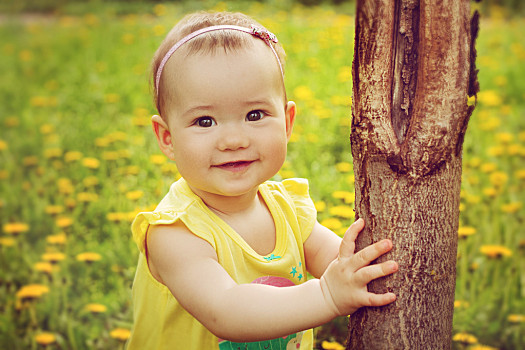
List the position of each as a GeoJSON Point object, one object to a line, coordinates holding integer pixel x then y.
{"type": "Point", "coordinates": [191, 59]}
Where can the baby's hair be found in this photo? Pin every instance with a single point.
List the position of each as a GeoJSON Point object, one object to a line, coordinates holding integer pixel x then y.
{"type": "Point", "coordinates": [228, 40]}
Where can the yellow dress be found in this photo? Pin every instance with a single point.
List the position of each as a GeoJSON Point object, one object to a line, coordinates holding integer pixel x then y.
{"type": "Point", "coordinates": [161, 322]}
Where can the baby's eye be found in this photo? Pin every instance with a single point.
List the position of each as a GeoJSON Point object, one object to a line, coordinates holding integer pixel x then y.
{"type": "Point", "coordinates": [254, 116]}
{"type": "Point", "coordinates": [205, 122]}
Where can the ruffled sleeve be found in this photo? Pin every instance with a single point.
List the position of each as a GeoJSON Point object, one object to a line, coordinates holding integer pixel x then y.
{"type": "Point", "coordinates": [297, 189]}
{"type": "Point", "coordinates": [143, 220]}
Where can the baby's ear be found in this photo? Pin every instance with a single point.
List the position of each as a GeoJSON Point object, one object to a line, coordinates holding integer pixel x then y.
{"type": "Point", "coordinates": [290, 113]}
{"type": "Point", "coordinates": [162, 132]}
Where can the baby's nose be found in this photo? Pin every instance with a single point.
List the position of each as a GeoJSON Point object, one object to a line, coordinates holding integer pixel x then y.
{"type": "Point", "coordinates": [233, 138]}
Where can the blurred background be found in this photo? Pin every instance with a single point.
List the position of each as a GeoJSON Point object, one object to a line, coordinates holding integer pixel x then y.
{"type": "Point", "coordinates": [78, 160]}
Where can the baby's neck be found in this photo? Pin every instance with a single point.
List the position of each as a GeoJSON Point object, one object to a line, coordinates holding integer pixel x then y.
{"type": "Point", "coordinates": [230, 205]}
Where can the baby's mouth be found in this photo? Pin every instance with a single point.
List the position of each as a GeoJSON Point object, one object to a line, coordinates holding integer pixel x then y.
{"type": "Point", "coordinates": [235, 166]}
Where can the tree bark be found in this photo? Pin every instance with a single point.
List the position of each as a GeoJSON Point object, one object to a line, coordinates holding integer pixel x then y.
{"type": "Point", "coordinates": [412, 76]}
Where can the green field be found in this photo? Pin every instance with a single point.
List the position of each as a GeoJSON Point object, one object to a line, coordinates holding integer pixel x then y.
{"type": "Point", "coordinates": [78, 159]}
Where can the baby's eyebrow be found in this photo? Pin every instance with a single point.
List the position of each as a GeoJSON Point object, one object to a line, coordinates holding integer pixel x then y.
{"type": "Point", "coordinates": [195, 109]}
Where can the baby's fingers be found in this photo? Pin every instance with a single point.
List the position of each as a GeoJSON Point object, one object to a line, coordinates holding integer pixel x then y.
{"type": "Point", "coordinates": [348, 243]}
{"type": "Point", "coordinates": [365, 256]}
{"type": "Point", "coordinates": [369, 273]}
{"type": "Point", "coordinates": [380, 299]}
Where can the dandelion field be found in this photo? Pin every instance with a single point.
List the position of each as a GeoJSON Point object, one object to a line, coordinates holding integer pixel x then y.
{"type": "Point", "coordinates": [78, 159]}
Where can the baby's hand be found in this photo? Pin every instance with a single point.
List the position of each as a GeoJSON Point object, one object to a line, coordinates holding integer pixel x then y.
{"type": "Point", "coordinates": [344, 282]}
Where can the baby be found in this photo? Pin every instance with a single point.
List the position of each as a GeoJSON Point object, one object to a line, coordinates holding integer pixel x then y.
{"type": "Point", "coordinates": [225, 255]}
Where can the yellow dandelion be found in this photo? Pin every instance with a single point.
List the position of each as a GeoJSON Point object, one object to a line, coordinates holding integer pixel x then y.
{"type": "Point", "coordinates": [303, 93]}
{"type": "Point", "coordinates": [475, 162]}
{"type": "Point", "coordinates": [346, 196]}
{"type": "Point", "coordinates": [30, 161]}
{"type": "Point", "coordinates": [342, 211]}
{"type": "Point", "coordinates": [54, 209]}
{"type": "Point", "coordinates": [141, 121]}
{"type": "Point", "coordinates": [490, 191]}
{"type": "Point", "coordinates": [86, 197]}
{"type": "Point", "coordinates": [32, 291]}
{"type": "Point", "coordinates": [70, 203]}
{"type": "Point", "coordinates": [131, 170]}
{"type": "Point", "coordinates": [52, 153]}
{"type": "Point", "coordinates": [91, 181]}
{"type": "Point", "coordinates": [112, 98]}
{"type": "Point", "coordinates": [488, 167]}
{"type": "Point", "coordinates": [465, 231]}
{"type": "Point", "coordinates": [110, 155]}
{"type": "Point", "coordinates": [490, 98]}
{"type": "Point", "coordinates": [341, 100]}
{"type": "Point", "coordinates": [157, 159]}
{"type": "Point", "coordinates": [472, 199]}
{"type": "Point", "coordinates": [117, 136]}
{"type": "Point", "coordinates": [15, 228]}
{"type": "Point", "coordinates": [128, 38]}
{"type": "Point", "coordinates": [96, 308]}
{"type": "Point", "coordinates": [332, 223]}
{"type": "Point", "coordinates": [331, 345]}
{"type": "Point", "coordinates": [343, 167]}
{"type": "Point", "coordinates": [511, 208]}
{"type": "Point", "coordinates": [465, 338]}
{"type": "Point", "coordinates": [159, 30]}
{"type": "Point", "coordinates": [515, 318]}
{"type": "Point", "coordinates": [286, 174]}
{"type": "Point", "coordinates": [25, 55]}
{"type": "Point", "coordinates": [4, 174]}
{"type": "Point", "coordinates": [220, 6]}
{"type": "Point", "coordinates": [11, 122]}
{"type": "Point", "coordinates": [65, 186]}
{"type": "Point", "coordinates": [313, 138]}
{"type": "Point", "coordinates": [72, 156]}
{"type": "Point", "coordinates": [116, 217]}
{"type": "Point", "coordinates": [3, 145]}
{"type": "Point", "coordinates": [89, 257]}
{"type": "Point", "coordinates": [91, 19]}
{"type": "Point", "coordinates": [124, 153]}
{"type": "Point", "coordinates": [504, 137]}
{"type": "Point", "coordinates": [64, 221]}
{"type": "Point", "coordinates": [159, 10]}
{"type": "Point", "coordinates": [58, 239]}
{"type": "Point", "coordinates": [295, 137]}
{"type": "Point", "coordinates": [102, 142]}
{"type": "Point", "coordinates": [121, 334]}
{"type": "Point", "coordinates": [495, 251]}
{"type": "Point", "coordinates": [514, 149]}
{"type": "Point", "coordinates": [461, 304]}
{"type": "Point", "coordinates": [345, 74]}
{"type": "Point", "coordinates": [44, 267]}
{"type": "Point", "coordinates": [495, 151]}
{"type": "Point", "coordinates": [7, 241]}
{"type": "Point", "coordinates": [169, 168]}
{"type": "Point", "coordinates": [481, 347]}
{"type": "Point", "coordinates": [134, 195]}
{"type": "Point", "coordinates": [45, 338]}
{"type": "Point", "coordinates": [53, 258]}
{"type": "Point", "coordinates": [490, 124]}
{"type": "Point", "coordinates": [91, 163]}
{"type": "Point", "coordinates": [320, 206]}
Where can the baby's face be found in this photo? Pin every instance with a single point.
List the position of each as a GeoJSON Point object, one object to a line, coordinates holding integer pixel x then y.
{"type": "Point", "coordinates": [228, 119]}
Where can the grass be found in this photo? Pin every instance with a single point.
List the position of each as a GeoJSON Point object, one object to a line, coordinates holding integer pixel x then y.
{"type": "Point", "coordinates": [78, 159]}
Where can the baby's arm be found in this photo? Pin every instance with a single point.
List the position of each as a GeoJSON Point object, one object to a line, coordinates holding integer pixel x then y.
{"type": "Point", "coordinates": [188, 266]}
{"type": "Point", "coordinates": [344, 275]}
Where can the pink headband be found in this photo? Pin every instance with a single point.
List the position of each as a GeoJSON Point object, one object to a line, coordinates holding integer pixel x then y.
{"type": "Point", "coordinates": [263, 34]}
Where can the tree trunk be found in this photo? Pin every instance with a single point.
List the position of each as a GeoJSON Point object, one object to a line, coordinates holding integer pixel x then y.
{"type": "Point", "coordinates": [411, 73]}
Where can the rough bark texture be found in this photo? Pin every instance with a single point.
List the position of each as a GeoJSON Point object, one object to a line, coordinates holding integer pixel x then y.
{"type": "Point", "coordinates": [411, 76]}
